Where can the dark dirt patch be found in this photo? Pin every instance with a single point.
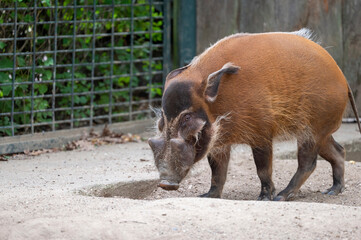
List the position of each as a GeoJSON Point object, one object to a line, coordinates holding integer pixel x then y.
{"type": "Point", "coordinates": [132, 190]}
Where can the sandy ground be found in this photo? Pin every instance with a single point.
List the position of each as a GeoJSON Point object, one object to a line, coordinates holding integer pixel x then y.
{"type": "Point", "coordinates": [50, 197]}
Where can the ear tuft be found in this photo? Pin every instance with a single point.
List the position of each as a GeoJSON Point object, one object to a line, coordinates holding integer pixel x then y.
{"type": "Point", "coordinates": [214, 80]}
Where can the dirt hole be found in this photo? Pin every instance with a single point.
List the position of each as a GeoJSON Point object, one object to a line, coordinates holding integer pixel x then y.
{"type": "Point", "coordinates": [132, 190]}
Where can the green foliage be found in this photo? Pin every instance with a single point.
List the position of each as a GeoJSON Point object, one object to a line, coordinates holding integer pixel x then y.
{"type": "Point", "coordinates": [40, 84]}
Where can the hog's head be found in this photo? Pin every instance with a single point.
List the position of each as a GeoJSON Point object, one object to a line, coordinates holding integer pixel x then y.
{"type": "Point", "coordinates": [186, 129]}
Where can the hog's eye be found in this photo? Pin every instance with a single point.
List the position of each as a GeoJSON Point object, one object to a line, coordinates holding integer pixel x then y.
{"type": "Point", "coordinates": [185, 120]}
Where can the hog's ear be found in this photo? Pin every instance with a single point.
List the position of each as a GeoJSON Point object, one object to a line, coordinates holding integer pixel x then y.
{"type": "Point", "coordinates": [213, 80]}
{"type": "Point", "coordinates": [175, 72]}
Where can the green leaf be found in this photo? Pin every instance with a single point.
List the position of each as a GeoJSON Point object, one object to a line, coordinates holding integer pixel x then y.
{"type": "Point", "coordinates": [28, 18]}
{"type": "Point", "coordinates": [6, 63]}
{"type": "Point", "coordinates": [42, 88]}
{"type": "Point", "coordinates": [79, 75]}
{"type": "Point", "coordinates": [83, 100]}
{"type": "Point", "coordinates": [49, 62]}
{"type": "Point", "coordinates": [4, 77]}
{"type": "Point", "coordinates": [6, 121]}
{"type": "Point", "coordinates": [6, 90]}
{"type": "Point", "coordinates": [23, 87]}
{"type": "Point", "coordinates": [66, 42]}
{"type": "Point", "coordinates": [46, 2]}
{"type": "Point", "coordinates": [41, 104]}
{"type": "Point", "coordinates": [47, 75]}
{"type": "Point", "coordinates": [6, 131]}
{"type": "Point", "coordinates": [2, 45]}
{"type": "Point", "coordinates": [21, 61]}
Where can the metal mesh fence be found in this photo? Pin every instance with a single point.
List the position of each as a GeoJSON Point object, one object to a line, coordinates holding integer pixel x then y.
{"type": "Point", "coordinates": [67, 64]}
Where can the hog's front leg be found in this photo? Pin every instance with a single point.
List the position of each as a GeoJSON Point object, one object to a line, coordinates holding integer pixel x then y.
{"type": "Point", "coordinates": [218, 161]}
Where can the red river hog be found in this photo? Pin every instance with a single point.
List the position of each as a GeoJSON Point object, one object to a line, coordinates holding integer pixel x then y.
{"type": "Point", "coordinates": [250, 89]}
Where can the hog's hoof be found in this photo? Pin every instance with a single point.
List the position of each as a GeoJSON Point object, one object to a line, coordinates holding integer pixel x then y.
{"type": "Point", "coordinates": [266, 195]}
{"type": "Point", "coordinates": [263, 198]}
{"type": "Point", "coordinates": [279, 198]}
{"type": "Point", "coordinates": [334, 190]}
{"type": "Point", "coordinates": [330, 193]}
{"type": "Point", "coordinates": [213, 192]}
{"type": "Point", "coordinates": [210, 195]}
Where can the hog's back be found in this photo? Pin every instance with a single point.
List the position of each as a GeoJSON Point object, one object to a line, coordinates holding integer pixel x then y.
{"type": "Point", "coordinates": [286, 85]}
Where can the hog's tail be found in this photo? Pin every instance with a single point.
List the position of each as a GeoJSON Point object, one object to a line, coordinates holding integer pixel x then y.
{"type": "Point", "coordinates": [353, 105]}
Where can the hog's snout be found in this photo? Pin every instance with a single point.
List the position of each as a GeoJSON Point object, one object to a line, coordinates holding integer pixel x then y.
{"type": "Point", "coordinates": [173, 158]}
{"type": "Point", "coordinates": [166, 185]}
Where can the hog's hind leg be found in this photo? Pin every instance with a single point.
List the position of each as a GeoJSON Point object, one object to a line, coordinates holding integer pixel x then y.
{"type": "Point", "coordinates": [218, 161]}
{"type": "Point", "coordinates": [263, 160]}
{"type": "Point", "coordinates": [307, 159]}
{"type": "Point", "coordinates": [334, 153]}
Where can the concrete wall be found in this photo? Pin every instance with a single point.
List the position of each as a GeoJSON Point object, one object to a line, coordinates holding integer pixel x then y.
{"type": "Point", "coordinates": [337, 24]}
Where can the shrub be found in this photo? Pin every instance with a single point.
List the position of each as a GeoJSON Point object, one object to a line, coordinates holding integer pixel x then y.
{"type": "Point", "coordinates": [102, 92]}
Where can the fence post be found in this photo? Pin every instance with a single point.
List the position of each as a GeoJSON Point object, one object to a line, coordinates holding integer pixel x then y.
{"type": "Point", "coordinates": [184, 34]}
{"type": "Point", "coordinates": [167, 59]}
